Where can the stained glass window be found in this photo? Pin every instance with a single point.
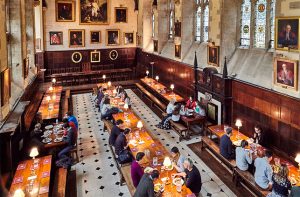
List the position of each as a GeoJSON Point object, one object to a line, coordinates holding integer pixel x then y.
{"type": "Point", "coordinates": [198, 24]}
{"type": "Point", "coordinates": [272, 23]}
{"type": "Point", "coordinates": [205, 23]}
{"type": "Point", "coordinates": [153, 25]}
{"type": "Point", "coordinates": [246, 23]}
{"type": "Point", "coordinates": [260, 24]}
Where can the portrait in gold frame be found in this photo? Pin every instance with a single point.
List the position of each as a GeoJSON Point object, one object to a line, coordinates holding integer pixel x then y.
{"type": "Point", "coordinates": [286, 73]}
{"type": "Point", "coordinates": [65, 11]}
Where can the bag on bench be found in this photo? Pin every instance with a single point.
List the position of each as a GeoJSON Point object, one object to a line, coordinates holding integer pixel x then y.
{"type": "Point", "coordinates": [124, 157]}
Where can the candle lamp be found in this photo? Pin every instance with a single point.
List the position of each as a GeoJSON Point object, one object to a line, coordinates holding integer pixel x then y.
{"type": "Point", "coordinates": [139, 125]}
{"type": "Point", "coordinates": [297, 159]}
{"type": "Point", "coordinates": [54, 97]}
{"type": "Point", "coordinates": [53, 81]}
{"type": "Point", "coordinates": [50, 88]}
{"type": "Point", "coordinates": [238, 123]}
{"type": "Point", "coordinates": [104, 77]}
{"type": "Point", "coordinates": [147, 73]}
{"type": "Point", "coordinates": [126, 106]}
{"type": "Point", "coordinates": [109, 84]}
{"type": "Point", "coordinates": [172, 88]}
{"type": "Point", "coordinates": [33, 153]}
{"type": "Point", "coordinates": [157, 78]}
{"type": "Point", "coordinates": [167, 164]}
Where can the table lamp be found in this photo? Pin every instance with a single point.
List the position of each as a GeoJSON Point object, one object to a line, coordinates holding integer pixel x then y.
{"type": "Point", "coordinates": [147, 73]}
{"type": "Point", "coordinates": [125, 106]}
{"type": "Point", "coordinates": [19, 193]}
{"type": "Point", "coordinates": [53, 81]}
{"type": "Point", "coordinates": [297, 159]}
{"type": "Point", "coordinates": [50, 88]}
{"type": "Point", "coordinates": [139, 125]}
{"type": "Point", "coordinates": [54, 97]}
{"type": "Point", "coordinates": [109, 84]}
{"type": "Point", "coordinates": [167, 164]}
{"type": "Point", "coordinates": [104, 77]}
{"type": "Point", "coordinates": [172, 87]}
{"type": "Point", "coordinates": [157, 78]}
{"type": "Point", "coordinates": [33, 153]}
{"type": "Point", "coordinates": [238, 123]}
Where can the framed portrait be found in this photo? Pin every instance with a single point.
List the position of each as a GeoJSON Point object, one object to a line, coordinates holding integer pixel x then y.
{"type": "Point", "coordinates": [213, 55]}
{"type": "Point", "coordinates": [212, 113]}
{"type": "Point", "coordinates": [65, 11]}
{"type": "Point", "coordinates": [94, 12]}
{"type": "Point", "coordinates": [76, 57]}
{"type": "Point", "coordinates": [113, 54]}
{"type": "Point", "coordinates": [76, 37]}
{"type": "Point", "coordinates": [121, 15]}
{"type": "Point", "coordinates": [155, 45]}
{"type": "Point", "coordinates": [112, 37]}
{"type": "Point", "coordinates": [95, 37]}
{"type": "Point", "coordinates": [178, 51]}
{"type": "Point", "coordinates": [128, 38]}
{"type": "Point", "coordinates": [287, 33]}
{"type": "Point", "coordinates": [285, 73]}
{"type": "Point", "coordinates": [5, 86]}
{"type": "Point", "coordinates": [56, 37]}
{"type": "Point", "coordinates": [95, 56]}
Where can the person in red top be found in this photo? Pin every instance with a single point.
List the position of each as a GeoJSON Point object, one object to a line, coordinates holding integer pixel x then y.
{"type": "Point", "coordinates": [191, 103]}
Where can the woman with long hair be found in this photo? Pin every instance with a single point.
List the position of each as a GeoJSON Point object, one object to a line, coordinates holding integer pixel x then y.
{"type": "Point", "coordinates": [281, 183]}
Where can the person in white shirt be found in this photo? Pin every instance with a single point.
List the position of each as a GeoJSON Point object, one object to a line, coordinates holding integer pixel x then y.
{"type": "Point", "coordinates": [126, 99]}
{"type": "Point", "coordinates": [243, 156]}
{"type": "Point", "coordinates": [106, 106]}
{"type": "Point", "coordinates": [169, 111]}
{"type": "Point", "coordinates": [176, 113]}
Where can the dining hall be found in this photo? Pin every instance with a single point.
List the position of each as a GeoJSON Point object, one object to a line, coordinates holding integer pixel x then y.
{"type": "Point", "coordinates": [149, 98]}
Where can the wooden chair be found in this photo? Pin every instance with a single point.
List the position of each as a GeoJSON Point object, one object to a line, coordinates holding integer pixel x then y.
{"type": "Point", "coordinates": [74, 154]}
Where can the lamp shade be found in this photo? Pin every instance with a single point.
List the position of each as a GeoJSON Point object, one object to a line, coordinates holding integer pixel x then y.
{"type": "Point", "coordinates": [103, 76]}
{"type": "Point", "coordinates": [19, 193]}
{"type": "Point", "coordinates": [167, 162]}
{"type": "Point", "coordinates": [238, 123]}
{"type": "Point", "coordinates": [126, 107]}
{"type": "Point", "coordinates": [50, 88]}
{"type": "Point", "coordinates": [54, 97]}
{"type": "Point", "coordinates": [53, 80]}
{"type": "Point", "coordinates": [147, 72]}
{"type": "Point", "coordinates": [109, 83]}
{"type": "Point", "coordinates": [297, 159]}
{"type": "Point", "coordinates": [114, 91]}
{"type": "Point", "coordinates": [139, 124]}
{"type": "Point", "coordinates": [48, 98]}
{"type": "Point", "coordinates": [157, 77]}
{"type": "Point", "coordinates": [172, 86]}
{"type": "Point", "coordinates": [34, 152]}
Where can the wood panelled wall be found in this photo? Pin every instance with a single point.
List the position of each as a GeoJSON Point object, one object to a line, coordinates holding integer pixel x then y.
{"type": "Point", "coordinates": [169, 71]}
{"type": "Point", "coordinates": [279, 115]}
{"type": "Point", "coordinates": [62, 59]}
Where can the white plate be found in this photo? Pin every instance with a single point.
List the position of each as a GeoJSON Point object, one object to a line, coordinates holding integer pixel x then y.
{"type": "Point", "coordinates": [58, 139]}
{"type": "Point", "coordinates": [46, 140]}
{"type": "Point", "coordinates": [177, 180]}
{"type": "Point", "coordinates": [49, 127]}
{"type": "Point", "coordinates": [148, 170]}
{"type": "Point", "coordinates": [158, 187]}
{"type": "Point", "coordinates": [169, 169]}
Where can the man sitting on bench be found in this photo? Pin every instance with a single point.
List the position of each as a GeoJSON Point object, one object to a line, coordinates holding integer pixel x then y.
{"type": "Point", "coordinates": [122, 148]}
{"type": "Point", "coordinates": [115, 132]}
{"type": "Point", "coordinates": [226, 147]}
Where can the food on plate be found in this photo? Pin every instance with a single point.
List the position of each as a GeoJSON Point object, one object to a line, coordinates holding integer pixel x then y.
{"type": "Point", "coordinates": [158, 187]}
{"type": "Point", "coordinates": [178, 181]}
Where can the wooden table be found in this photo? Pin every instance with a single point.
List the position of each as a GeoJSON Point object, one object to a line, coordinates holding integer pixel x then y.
{"type": "Point", "coordinates": [158, 87]}
{"type": "Point", "coordinates": [55, 96]}
{"type": "Point", "coordinates": [193, 120]}
{"type": "Point", "coordinates": [42, 182]}
{"type": "Point", "coordinates": [218, 130]}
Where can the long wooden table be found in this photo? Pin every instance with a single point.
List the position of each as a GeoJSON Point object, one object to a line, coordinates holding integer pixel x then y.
{"type": "Point", "coordinates": [156, 149]}
{"type": "Point", "coordinates": [55, 96]}
{"type": "Point", "coordinates": [158, 87]}
{"type": "Point", "coordinates": [41, 183]}
{"type": "Point", "coordinates": [236, 137]}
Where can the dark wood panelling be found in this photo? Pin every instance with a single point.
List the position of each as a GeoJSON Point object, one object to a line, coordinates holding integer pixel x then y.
{"type": "Point", "coordinates": [278, 115]}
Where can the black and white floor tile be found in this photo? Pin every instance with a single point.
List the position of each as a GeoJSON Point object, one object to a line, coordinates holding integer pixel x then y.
{"type": "Point", "coordinates": [97, 174]}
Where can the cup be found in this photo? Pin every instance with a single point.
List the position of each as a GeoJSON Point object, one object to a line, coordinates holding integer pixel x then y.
{"type": "Point", "coordinates": [178, 187]}
{"type": "Point", "coordinates": [155, 161]}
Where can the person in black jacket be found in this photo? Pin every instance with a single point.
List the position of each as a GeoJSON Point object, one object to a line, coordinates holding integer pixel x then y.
{"type": "Point", "coordinates": [226, 146]}
{"type": "Point", "coordinates": [115, 132]}
{"type": "Point", "coordinates": [121, 142]}
{"type": "Point", "coordinates": [145, 187]}
{"type": "Point", "coordinates": [258, 136]}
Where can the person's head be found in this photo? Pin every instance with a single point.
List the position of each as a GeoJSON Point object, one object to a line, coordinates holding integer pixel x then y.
{"type": "Point", "coordinates": [269, 155]}
{"type": "Point", "coordinates": [283, 171]}
{"type": "Point", "coordinates": [106, 101]}
{"type": "Point", "coordinates": [69, 114]}
{"type": "Point", "coordinates": [284, 67]}
{"type": "Point", "coordinates": [191, 98]}
{"type": "Point", "coordinates": [125, 95]}
{"type": "Point", "coordinates": [175, 151]}
{"type": "Point", "coordinates": [65, 120]}
{"type": "Point", "coordinates": [74, 35]}
{"type": "Point", "coordinates": [228, 131]}
{"type": "Point", "coordinates": [257, 129]}
{"type": "Point", "coordinates": [154, 175]}
{"type": "Point", "coordinates": [126, 131]}
{"type": "Point", "coordinates": [66, 125]}
{"type": "Point", "coordinates": [288, 28]}
{"type": "Point", "coordinates": [104, 90]}
{"type": "Point", "coordinates": [119, 122]}
{"type": "Point", "coordinates": [244, 143]}
{"type": "Point", "coordinates": [188, 164]}
{"type": "Point", "coordinates": [139, 156]}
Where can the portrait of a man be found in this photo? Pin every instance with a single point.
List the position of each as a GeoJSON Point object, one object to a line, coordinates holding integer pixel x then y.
{"type": "Point", "coordinates": [121, 15]}
{"type": "Point", "coordinates": [95, 56]}
{"type": "Point", "coordinates": [287, 33]}
{"type": "Point", "coordinates": [65, 11]}
{"type": "Point", "coordinates": [113, 37]}
{"type": "Point", "coordinates": [76, 38]}
{"type": "Point", "coordinates": [56, 37]}
{"type": "Point", "coordinates": [213, 55]}
{"type": "Point", "coordinates": [95, 37]}
{"type": "Point", "coordinates": [285, 73]}
{"type": "Point", "coordinates": [128, 38]}
{"type": "Point", "coordinates": [94, 12]}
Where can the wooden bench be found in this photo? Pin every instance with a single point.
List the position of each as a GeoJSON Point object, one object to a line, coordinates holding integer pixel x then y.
{"type": "Point", "coordinates": [213, 147]}
{"type": "Point", "coordinates": [60, 183]}
{"type": "Point", "coordinates": [180, 129]}
{"type": "Point", "coordinates": [126, 171]}
{"type": "Point", "coordinates": [107, 126]}
{"type": "Point", "coordinates": [155, 101]}
{"type": "Point", "coordinates": [248, 179]}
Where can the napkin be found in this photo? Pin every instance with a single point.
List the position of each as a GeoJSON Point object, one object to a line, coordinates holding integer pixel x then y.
{"type": "Point", "coordinates": [159, 152]}
{"type": "Point", "coordinates": [17, 180]}
{"type": "Point", "coordinates": [45, 174]}
{"type": "Point", "coordinates": [153, 145]}
{"type": "Point", "coordinates": [21, 166]}
{"type": "Point", "coordinates": [47, 161]}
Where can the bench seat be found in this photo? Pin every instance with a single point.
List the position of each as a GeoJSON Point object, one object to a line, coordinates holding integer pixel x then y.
{"type": "Point", "coordinates": [180, 129]}
{"type": "Point", "coordinates": [60, 183]}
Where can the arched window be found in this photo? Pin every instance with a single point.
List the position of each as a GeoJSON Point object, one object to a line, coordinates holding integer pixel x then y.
{"type": "Point", "coordinates": [171, 19]}
{"type": "Point", "coordinates": [260, 24]}
{"type": "Point", "coordinates": [202, 20]}
{"type": "Point", "coordinates": [153, 24]}
{"type": "Point", "coordinates": [272, 23]}
{"type": "Point", "coordinates": [245, 23]}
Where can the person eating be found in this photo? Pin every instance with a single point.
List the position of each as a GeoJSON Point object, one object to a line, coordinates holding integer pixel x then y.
{"type": "Point", "coordinates": [226, 146]}
{"type": "Point", "coordinates": [136, 169]}
{"type": "Point", "coordinates": [115, 132]}
{"type": "Point", "coordinates": [191, 103]}
{"type": "Point", "coordinates": [263, 171]}
{"type": "Point", "coordinates": [146, 186]}
{"type": "Point", "coordinates": [178, 159]}
{"type": "Point", "coordinates": [243, 156]}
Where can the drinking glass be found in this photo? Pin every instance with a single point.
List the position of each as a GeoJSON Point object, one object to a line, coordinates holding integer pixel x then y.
{"type": "Point", "coordinates": [155, 160]}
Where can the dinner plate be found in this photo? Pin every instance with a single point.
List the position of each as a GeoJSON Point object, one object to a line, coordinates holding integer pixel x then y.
{"type": "Point", "coordinates": [46, 140]}
{"type": "Point", "coordinates": [58, 139]}
{"type": "Point", "coordinates": [49, 127]}
{"type": "Point", "coordinates": [169, 168]}
{"type": "Point", "coordinates": [158, 187]}
{"type": "Point", "coordinates": [177, 181]}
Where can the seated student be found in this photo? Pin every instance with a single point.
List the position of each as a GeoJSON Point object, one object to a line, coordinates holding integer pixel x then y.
{"type": "Point", "coordinates": [258, 136]}
{"type": "Point", "coordinates": [243, 157]}
{"type": "Point", "coordinates": [72, 125]}
{"type": "Point", "coordinates": [192, 175]}
{"type": "Point", "coordinates": [146, 186]}
{"type": "Point", "coordinates": [115, 132]}
{"type": "Point", "coordinates": [199, 109]}
{"type": "Point", "coordinates": [169, 111]}
{"type": "Point", "coordinates": [176, 114]}
{"type": "Point", "coordinates": [136, 170]}
{"type": "Point", "coordinates": [126, 99]}
{"type": "Point", "coordinates": [226, 146]}
{"type": "Point", "coordinates": [121, 147]}
{"type": "Point", "coordinates": [263, 171]}
{"type": "Point", "coordinates": [178, 159]}
{"type": "Point", "coordinates": [72, 118]}
{"type": "Point", "coordinates": [281, 183]}
{"type": "Point", "coordinates": [190, 104]}
{"type": "Point", "coordinates": [119, 90]}
{"type": "Point", "coordinates": [295, 191]}
{"type": "Point", "coordinates": [71, 140]}
{"type": "Point", "coordinates": [102, 102]}
{"type": "Point", "coordinates": [106, 107]}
